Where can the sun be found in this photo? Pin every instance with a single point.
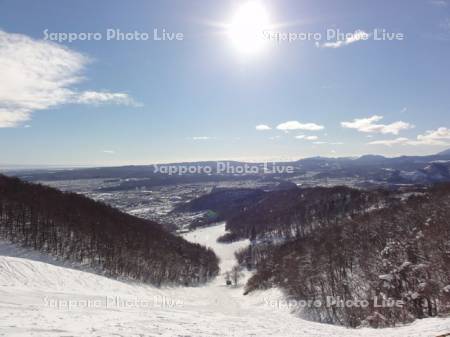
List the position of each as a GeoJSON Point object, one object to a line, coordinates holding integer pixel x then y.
{"type": "Point", "coordinates": [247, 27]}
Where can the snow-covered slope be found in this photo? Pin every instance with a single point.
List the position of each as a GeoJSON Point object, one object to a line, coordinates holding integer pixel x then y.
{"type": "Point", "coordinates": [22, 269]}
{"type": "Point", "coordinates": [41, 297]}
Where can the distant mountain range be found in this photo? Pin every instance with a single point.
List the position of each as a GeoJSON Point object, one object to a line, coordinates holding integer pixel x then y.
{"type": "Point", "coordinates": [370, 168]}
{"type": "Point", "coordinates": [444, 153]}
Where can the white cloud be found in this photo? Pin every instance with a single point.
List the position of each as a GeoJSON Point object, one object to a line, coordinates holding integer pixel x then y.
{"type": "Point", "coordinates": [295, 125]}
{"type": "Point", "coordinates": [263, 127]}
{"type": "Point", "coordinates": [330, 143]}
{"type": "Point", "coordinates": [307, 137]}
{"type": "Point", "coordinates": [109, 151]}
{"type": "Point", "coordinates": [96, 97]}
{"type": "Point", "coordinates": [12, 116]}
{"type": "Point", "coordinates": [390, 142]}
{"type": "Point", "coordinates": [440, 136]}
{"type": "Point", "coordinates": [201, 138]}
{"type": "Point", "coordinates": [38, 75]}
{"type": "Point", "coordinates": [358, 35]}
{"type": "Point", "coordinates": [369, 125]}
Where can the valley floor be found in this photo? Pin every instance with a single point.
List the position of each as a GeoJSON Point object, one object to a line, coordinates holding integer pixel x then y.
{"type": "Point", "coordinates": [41, 297]}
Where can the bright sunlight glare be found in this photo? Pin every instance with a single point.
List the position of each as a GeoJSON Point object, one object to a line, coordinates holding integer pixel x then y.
{"type": "Point", "coordinates": [247, 26]}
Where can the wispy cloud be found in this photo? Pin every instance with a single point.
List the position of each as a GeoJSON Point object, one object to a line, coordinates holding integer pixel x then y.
{"type": "Point", "coordinates": [445, 25]}
{"type": "Point", "coordinates": [306, 137]}
{"type": "Point", "coordinates": [370, 125]}
{"type": "Point", "coordinates": [99, 97]}
{"type": "Point", "coordinates": [391, 142]}
{"type": "Point", "coordinates": [440, 136]}
{"type": "Point", "coordinates": [358, 35]}
{"type": "Point", "coordinates": [109, 151]}
{"type": "Point", "coordinates": [38, 75]}
{"type": "Point", "coordinates": [439, 3]}
{"type": "Point", "coordinates": [443, 30]}
{"type": "Point", "coordinates": [201, 138]}
{"type": "Point", "coordinates": [316, 141]}
{"type": "Point", "coordinates": [295, 125]}
{"type": "Point", "coordinates": [263, 127]}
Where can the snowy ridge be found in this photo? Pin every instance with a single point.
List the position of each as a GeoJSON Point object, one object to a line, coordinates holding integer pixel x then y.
{"type": "Point", "coordinates": [31, 284]}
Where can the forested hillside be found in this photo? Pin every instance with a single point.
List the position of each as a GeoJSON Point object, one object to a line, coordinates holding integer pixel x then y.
{"type": "Point", "coordinates": [400, 251]}
{"type": "Point", "coordinates": [224, 202]}
{"type": "Point", "coordinates": [75, 228]}
{"type": "Point", "coordinates": [295, 212]}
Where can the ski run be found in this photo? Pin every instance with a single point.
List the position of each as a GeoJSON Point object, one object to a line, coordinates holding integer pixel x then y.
{"type": "Point", "coordinates": [43, 297]}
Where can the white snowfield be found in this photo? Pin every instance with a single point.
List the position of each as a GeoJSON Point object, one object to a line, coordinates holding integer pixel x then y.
{"type": "Point", "coordinates": [38, 297]}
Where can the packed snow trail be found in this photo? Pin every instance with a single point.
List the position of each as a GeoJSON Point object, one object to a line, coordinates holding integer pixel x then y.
{"type": "Point", "coordinates": [35, 293]}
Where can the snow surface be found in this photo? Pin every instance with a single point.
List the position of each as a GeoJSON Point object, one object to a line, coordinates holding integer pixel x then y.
{"type": "Point", "coordinates": [35, 292]}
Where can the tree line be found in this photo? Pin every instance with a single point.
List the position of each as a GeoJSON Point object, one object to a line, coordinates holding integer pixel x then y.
{"type": "Point", "coordinates": [398, 252]}
{"type": "Point", "coordinates": [76, 228]}
{"type": "Point", "coordinates": [297, 212]}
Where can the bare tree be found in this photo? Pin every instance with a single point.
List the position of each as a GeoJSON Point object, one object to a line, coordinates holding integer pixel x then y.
{"type": "Point", "coordinates": [76, 228]}
{"type": "Point", "coordinates": [236, 274]}
{"type": "Point", "coordinates": [398, 252]}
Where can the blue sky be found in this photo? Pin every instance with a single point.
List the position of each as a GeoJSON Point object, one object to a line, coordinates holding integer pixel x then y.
{"type": "Point", "coordinates": [136, 102]}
